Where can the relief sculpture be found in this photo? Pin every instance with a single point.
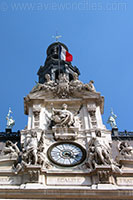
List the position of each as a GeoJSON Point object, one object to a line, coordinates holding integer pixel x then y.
{"type": "Point", "coordinates": [125, 150]}
{"type": "Point", "coordinates": [63, 87]}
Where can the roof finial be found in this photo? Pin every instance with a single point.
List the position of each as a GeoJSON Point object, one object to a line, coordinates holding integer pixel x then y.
{"type": "Point", "coordinates": [10, 121]}
{"type": "Point", "coordinates": [111, 119]}
{"type": "Point", "coordinates": [57, 36]}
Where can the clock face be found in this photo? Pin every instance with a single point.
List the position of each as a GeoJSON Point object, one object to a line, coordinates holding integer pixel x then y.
{"type": "Point", "coordinates": [66, 154]}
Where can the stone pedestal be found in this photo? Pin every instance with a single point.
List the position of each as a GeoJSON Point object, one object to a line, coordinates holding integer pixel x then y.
{"type": "Point", "coordinates": [65, 133]}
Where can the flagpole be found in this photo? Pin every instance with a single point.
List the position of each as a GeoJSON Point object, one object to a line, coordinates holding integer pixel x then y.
{"type": "Point", "coordinates": [59, 58]}
{"type": "Point", "coordinates": [58, 45]}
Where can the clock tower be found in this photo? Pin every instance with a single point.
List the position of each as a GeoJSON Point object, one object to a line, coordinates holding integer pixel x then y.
{"type": "Point", "coordinates": [65, 151]}
{"type": "Point", "coordinates": [69, 139]}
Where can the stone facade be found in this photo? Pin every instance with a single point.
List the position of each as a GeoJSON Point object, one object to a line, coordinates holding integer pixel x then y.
{"type": "Point", "coordinates": [65, 151]}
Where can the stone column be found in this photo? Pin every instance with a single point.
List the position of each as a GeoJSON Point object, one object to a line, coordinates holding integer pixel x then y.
{"type": "Point", "coordinates": [30, 118]}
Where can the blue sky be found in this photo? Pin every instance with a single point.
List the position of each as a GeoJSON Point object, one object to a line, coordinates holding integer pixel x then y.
{"type": "Point", "coordinates": [99, 35]}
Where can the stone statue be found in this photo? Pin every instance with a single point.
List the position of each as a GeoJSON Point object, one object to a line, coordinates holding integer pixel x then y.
{"type": "Point", "coordinates": [10, 121]}
{"type": "Point", "coordinates": [99, 153]}
{"type": "Point", "coordinates": [100, 150]}
{"type": "Point", "coordinates": [32, 152]}
{"type": "Point", "coordinates": [125, 149]}
{"type": "Point", "coordinates": [62, 117]}
{"type": "Point", "coordinates": [37, 87]}
{"type": "Point", "coordinates": [76, 83]}
{"type": "Point", "coordinates": [90, 87]}
{"type": "Point", "coordinates": [92, 157]}
{"type": "Point", "coordinates": [11, 148]}
{"type": "Point", "coordinates": [49, 82]}
{"type": "Point", "coordinates": [48, 85]}
{"type": "Point", "coordinates": [31, 148]}
{"type": "Point", "coordinates": [111, 120]}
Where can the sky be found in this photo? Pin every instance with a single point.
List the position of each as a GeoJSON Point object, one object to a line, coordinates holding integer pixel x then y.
{"type": "Point", "coordinates": [99, 35]}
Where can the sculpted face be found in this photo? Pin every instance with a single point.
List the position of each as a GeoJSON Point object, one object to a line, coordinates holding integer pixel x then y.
{"type": "Point", "coordinates": [64, 106]}
{"type": "Point", "coordinates": [75, 76]}
{"type": "Point", "coordinates": [47, 76]}
{"type": "Point", "coordinates": [98, 133]}
{"type": "Point", "coordinates": [91, 81]}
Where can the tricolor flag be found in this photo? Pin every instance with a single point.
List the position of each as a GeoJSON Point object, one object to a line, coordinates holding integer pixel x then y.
{"type": "Point", "coordinates": [64, 55]}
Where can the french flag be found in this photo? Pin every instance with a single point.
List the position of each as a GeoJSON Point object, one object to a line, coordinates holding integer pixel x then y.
{"type": "Point", "coordinates": [64, 55]}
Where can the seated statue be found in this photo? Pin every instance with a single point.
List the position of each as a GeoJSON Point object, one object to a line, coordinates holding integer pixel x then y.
{"type": "Point", "coordinates": [90, 87]}
{"type": "Point", "coordinates": [62, 117]}
{"type": "Point", "coordinates": [49, 84]}
{"type": "Point", "coordinates": [76, 82]}
{"type": "Point", "coordinates": [37, 87]}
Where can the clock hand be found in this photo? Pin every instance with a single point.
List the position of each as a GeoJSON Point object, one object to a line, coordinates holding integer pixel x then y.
{"type": "Point", "coordinates": [74, 156]}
